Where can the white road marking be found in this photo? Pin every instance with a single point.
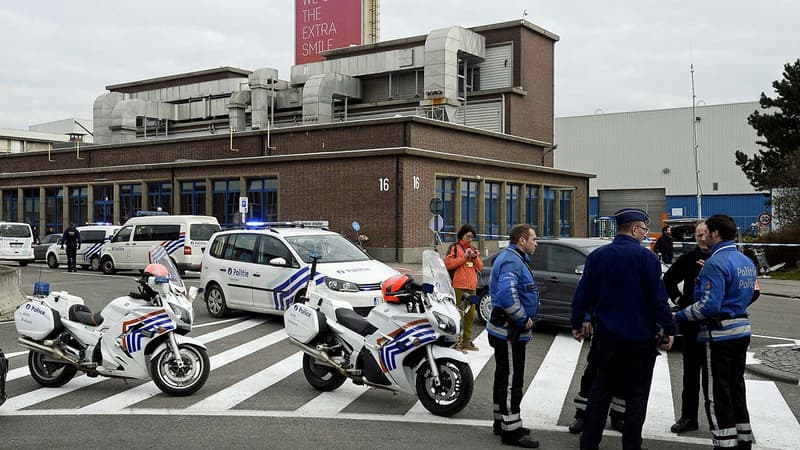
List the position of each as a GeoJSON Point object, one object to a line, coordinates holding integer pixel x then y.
{"type": "Point", "coordinates": [774, 425]}
{"type": "Point", "coordinates": [660, 409]}
{"type": "Point", "coordinates": [543, 401]}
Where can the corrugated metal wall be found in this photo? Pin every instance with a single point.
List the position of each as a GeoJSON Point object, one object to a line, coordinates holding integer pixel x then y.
{"type": "Point", "coordinates": [653, 201]}
{"type": "Point", "coordinates": [647, 149]}
{"type": "Point", "coordinates": [484, 115]}
{"type": "Point", "coordinates": [743, 208]}
{"type": "Point", "coordinates": [495, 71]}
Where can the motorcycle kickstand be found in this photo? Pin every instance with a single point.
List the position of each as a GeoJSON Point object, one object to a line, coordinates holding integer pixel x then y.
{"type": "Point", "coordinates": [176, 352]}
{"type": "Point", "coordinates": [432, 363]}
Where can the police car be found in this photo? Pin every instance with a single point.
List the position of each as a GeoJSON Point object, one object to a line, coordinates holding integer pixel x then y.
{"type": "Point", "coordinates": [88, 255]}
{"type": "Point", "coordinates": [265, 270]}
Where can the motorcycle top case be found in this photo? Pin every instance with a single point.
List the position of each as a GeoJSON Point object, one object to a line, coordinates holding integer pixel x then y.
{"type": "Point", "coordinates": [301, 322]}
{"type": "Point", "coordinates": [35, 320]}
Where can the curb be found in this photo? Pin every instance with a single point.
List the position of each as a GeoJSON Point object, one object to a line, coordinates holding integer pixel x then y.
{"type": "Point", "coordinates": [793, 297]}
{"type": "Point", "coordinates": [773, 374]}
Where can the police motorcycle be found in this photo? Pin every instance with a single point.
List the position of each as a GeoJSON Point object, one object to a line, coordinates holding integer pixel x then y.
{"type": "Point", "coordinates": [403, 345]}
{"type": "Point", "coordinates": [138, 336]}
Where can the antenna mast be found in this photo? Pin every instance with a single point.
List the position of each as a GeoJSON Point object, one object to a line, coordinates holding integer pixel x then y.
{"type": "Point", "coordinates": [696, 150]}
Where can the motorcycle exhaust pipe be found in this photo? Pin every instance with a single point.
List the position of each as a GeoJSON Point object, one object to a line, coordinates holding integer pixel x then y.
{"type": "Point", "coordinates": [50, 351]}
{"type": "Point", "coordinates": [322, 356]}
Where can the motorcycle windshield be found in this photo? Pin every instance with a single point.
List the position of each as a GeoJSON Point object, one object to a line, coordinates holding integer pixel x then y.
{"type": "Point", "coordinates": [158, 255]}
{"type": "Point", "coordinates": [435, 273]}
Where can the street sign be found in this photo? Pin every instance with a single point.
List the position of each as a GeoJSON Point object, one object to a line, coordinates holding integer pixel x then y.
{"type": "Point", "coordinates": [243, 205]}
{"type": "Point", "coordinates": [436, 205]}
{"type": "Point", "coordinates": [764, 219]}
{"type": "Point", "coordinates": [436, 223]}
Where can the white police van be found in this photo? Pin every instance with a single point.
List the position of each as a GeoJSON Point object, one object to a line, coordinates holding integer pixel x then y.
{"type": "Point", "coordinates": [265, 270]}
{"type": "Point", "coordinates": [183, 237]}
{"type": "Point", "coordinates": [88, 255]}
{"type": "Point", "coordinates": [16, 242]}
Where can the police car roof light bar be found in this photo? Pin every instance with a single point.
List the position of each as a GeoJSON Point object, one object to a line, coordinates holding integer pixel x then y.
{"type": "Point", "coordinates": [289, 224]}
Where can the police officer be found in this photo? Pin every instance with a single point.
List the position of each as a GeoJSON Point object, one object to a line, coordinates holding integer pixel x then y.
{"type": "Point", "coordinates": [621, 286]}
{"type": "Point", "coordinates": [685, 270]}
{"type": "Point", "coordinates": [71, 237]}
{"type": "Point", "coordinates": [724, 290]}
{"type": "Point", "coordinates": [515, 299]}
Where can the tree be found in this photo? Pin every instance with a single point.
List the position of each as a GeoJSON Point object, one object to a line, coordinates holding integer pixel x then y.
{"type": "Point", "coordinates": [776, 167]}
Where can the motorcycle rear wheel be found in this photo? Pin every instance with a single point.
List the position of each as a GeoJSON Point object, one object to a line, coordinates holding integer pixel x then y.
{"type": "Point", "coordinates": [453, 392]}
{"type": "Point", "coordinates": [323, 378]}
{"type": "Point", "coordinates": [47, 372]}
{"type": "Point", "coordinates": [180, 382]}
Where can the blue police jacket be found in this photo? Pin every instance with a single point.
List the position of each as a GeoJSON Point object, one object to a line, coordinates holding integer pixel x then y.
{"type": "Point", "coordinates": [621, 285]}
{"type": "Point", "coordinates": [724, 289]}
{"type": "Point", "coordinates": [513, 289]}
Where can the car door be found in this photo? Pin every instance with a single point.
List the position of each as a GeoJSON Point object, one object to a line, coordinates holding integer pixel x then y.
{"type": "Point", "coordinates": [557, 279]}
{"type": "Point", "coordinates": [119, 248]}
{"type": "Point", "coordinates": [275, 283]}
{"type": "Point", "coordinates": [236, 269]}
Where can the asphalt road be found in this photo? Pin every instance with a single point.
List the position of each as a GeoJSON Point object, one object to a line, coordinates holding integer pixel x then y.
{"type": "Point", "coordinates": [272, 417]}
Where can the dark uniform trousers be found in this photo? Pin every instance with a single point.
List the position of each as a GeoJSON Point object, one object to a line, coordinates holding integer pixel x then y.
{"type": "Point", "coordinates": [625, 367]}
{"type": "Point", "coordinates": [72, 252]}
{"type": "Point", "coordinates": [726, 405]}
{"type": "Point", "coordinates": [508, 377]}
{"type": "Point", "coordinates": [589, 373]}
{"type": "Point", "coordinates": [694, 365]}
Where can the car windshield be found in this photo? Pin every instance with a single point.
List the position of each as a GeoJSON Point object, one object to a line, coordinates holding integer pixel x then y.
{"type": "Point", "coordinates": [332, 248]}
{"type": "Point", "coordinates": [92, 236]}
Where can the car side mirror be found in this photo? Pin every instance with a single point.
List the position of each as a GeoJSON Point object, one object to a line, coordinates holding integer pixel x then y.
{"type": "Point", "coordinates": [579, 270]}
{"type": "Point", "coordinates": [277, 261]}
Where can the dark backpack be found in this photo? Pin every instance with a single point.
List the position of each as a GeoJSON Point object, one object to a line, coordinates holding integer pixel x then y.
{"type": "Point", "coordinates": [452, 248]}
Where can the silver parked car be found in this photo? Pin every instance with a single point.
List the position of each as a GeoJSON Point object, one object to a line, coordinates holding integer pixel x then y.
{"type": "Point", "coordinates": [40, 249]}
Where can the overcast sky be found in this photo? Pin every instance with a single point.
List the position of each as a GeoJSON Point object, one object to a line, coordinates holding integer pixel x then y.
{"type": "Point", "coordinates": [614, 55]}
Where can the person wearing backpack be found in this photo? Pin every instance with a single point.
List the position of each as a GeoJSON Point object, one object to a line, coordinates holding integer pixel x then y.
{"type": "Point", "coordinates": [463, 261]}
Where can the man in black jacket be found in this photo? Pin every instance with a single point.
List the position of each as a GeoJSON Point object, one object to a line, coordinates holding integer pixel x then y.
{"type": "Point", "coordinates": [71, 237]}
{"type": "Point", "coordinates": [685, 270]}
{"type": "Point", "coordinates": [663, 246]}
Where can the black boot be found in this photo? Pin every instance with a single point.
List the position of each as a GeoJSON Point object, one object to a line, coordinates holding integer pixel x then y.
{"type": "Point", "coordinates": [577, 426]}
{"type": "Point", "coordinates": [497, 428]}
{"type": "Point", "coordinates": [519, 439]}
{"type": "Point", "coordinates": [683, 425]}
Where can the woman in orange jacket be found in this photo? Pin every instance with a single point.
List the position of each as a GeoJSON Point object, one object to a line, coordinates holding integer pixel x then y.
{"type": "Point", "coordinates": [464, 263]}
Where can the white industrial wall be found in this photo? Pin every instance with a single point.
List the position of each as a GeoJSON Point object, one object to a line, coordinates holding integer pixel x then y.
{"type": "Point", "coordinates": [633, 150]}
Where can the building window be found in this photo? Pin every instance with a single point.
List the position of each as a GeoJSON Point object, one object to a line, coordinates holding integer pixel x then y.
{"type": "Point", "coordinates": [263, 199]}
{"type": "Point", "coordinates": [446, 191]}
{"type": "Point", "coordinates": [193, 197]}
{"type": "Point", "coordinates": [532, 206]}
{"type": "Point", "coordinates": [491, 211]}
{"type": "Point", "coordinates": [469, 202]}
{"type": "Point", "coordinates": [54, 210]}
{"type": "Point", "coordinates": [549, 207]}
{"type": "Point", "coordinates": [565, 211]}
{"type": "Point", "coordinates": [10, 205]}
{"type": "Point", "coordinates": [225, 202]}
{"type": "Point", "coordinates": [513, 196]}
{"type": "Point", "coordinates": [159, 195]}
{"type": "Point", "coordinates": [130, 200]}
{"type": "Point", "coordinates": [78, 204]}
{"type": "Point", "coordinates": [30, 206]}
{"type": "Point", "coordinates": [104, 203]}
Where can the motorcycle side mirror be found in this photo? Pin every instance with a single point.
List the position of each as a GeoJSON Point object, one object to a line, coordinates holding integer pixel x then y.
{"type": "Point", "coordinates": [193, 291]}
{"type": "Point", "coordinates": [427, 288]}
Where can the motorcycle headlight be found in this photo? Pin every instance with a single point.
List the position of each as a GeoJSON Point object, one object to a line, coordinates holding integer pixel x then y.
{"type": "Point", "coordinates": [335, 284]}
{"type": "Point", "coordinates": [183, 314]}
{"type": "Point", "coordinates": [444, 323]}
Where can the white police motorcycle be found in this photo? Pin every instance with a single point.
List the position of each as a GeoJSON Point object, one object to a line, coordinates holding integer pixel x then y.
{"type": "Point", "coordinates": [403, 345]}
{"type": "Point", "coordinates": [139, 336]}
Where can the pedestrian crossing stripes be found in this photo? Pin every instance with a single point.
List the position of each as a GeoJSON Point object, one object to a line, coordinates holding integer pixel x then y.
{"type": "Point", "coordinates": [547, 398]}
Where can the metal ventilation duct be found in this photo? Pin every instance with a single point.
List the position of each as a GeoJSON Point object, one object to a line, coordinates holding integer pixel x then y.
{"type": "Point", "coordinates": [262, 87]}
{"type": "Point", "coordinates": [319, 92]}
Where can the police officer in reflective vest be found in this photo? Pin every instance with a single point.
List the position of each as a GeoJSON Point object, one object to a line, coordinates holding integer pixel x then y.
{"type": "Point", "coordinates": [621, 286]}
{"type": "Point", "coordinates": [724, 290]}
{"type": "Point", "coordinates": [515, 299]}
{"type": "Point", "coordinates": [71, 237]}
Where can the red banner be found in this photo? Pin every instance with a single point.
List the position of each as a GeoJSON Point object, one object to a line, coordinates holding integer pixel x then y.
{"type": "Point", "coordinates": [322, 25]}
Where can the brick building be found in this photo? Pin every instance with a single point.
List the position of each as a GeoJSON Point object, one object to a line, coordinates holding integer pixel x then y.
{"type": "Point", "coordinates": [371, 134]}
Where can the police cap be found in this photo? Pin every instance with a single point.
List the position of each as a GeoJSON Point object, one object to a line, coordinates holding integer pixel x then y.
{"type": "Point", "coordinates": [626, 215]}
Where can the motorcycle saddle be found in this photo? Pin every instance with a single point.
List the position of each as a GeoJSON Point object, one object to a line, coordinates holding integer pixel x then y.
{"type": "Point", "coordinates": [352, 321]}
{"type": "Point", "coordinates": [82, 314]}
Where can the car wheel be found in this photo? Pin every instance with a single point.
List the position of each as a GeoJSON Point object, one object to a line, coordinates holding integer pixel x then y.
{"type": "Point", "coordinates": [215, 302]}
{"type": "Point", "coordinates": [52, 261]}
{"type": "Point", "coordinates": [107, 266]}
{"type": "Point", "coordinates": [485, 307]}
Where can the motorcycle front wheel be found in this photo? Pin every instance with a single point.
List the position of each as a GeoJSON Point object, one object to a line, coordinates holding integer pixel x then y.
{"type": "Point", "coordinates": [452, 393]}
{"type": "Point", "coordinates": [180, 381]}
{"type": "Point", "coordinates": [322, 377]}
{"type": "Point", "coordinates": [48, 372]}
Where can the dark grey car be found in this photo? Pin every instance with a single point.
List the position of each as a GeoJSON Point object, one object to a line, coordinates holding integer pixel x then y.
{"type": "Point", "coordinates": [40, 249]}
{"type": "Point", "coordinates": [557, 266]}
